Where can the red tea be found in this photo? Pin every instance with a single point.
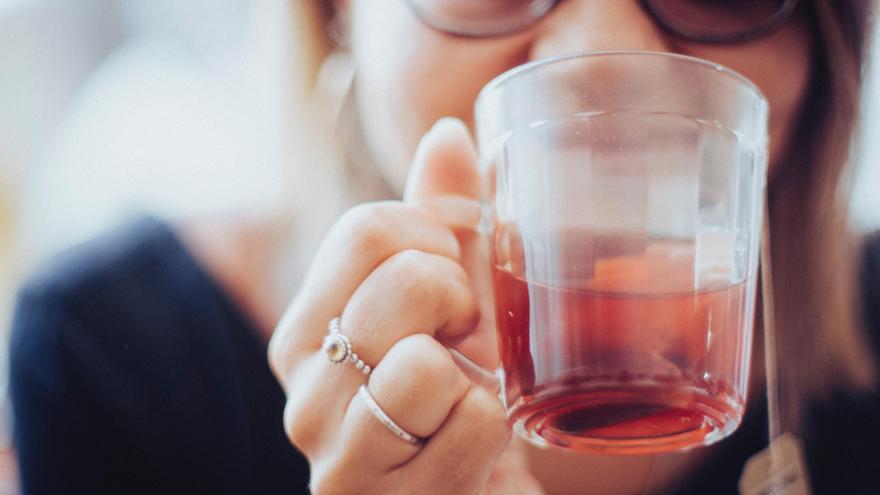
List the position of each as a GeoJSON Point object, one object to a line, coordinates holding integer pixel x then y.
{"type": "Point", "coordinates": [624, 356]}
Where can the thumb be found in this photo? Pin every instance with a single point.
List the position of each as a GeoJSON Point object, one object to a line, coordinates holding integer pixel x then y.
{"type": "Point", "coordinates": [445, 164]}
{"type": "Point", "coordinates": [444, 174]}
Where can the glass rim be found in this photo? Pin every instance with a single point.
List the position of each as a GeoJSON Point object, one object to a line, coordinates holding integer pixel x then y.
{"type": "Point", "coordinates": [529, 67]}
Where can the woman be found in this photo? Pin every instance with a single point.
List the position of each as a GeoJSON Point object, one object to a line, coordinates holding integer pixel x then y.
{"type": "Point", "coordinates": [137, 362]}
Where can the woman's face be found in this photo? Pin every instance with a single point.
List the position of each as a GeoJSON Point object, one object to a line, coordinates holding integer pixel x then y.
{"type": "Point", "coordinates": [409, 75]}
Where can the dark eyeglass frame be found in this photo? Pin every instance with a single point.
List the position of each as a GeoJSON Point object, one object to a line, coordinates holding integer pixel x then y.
{"type": "Point", "coordinates": [768, 26]}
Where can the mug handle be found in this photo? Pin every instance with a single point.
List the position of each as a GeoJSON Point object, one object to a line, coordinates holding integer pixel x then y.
{"type": "Point", "coordinates": [486, 378]}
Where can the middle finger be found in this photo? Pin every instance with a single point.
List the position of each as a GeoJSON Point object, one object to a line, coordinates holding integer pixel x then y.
{"type": "Point", "coordinates": [410, 293]}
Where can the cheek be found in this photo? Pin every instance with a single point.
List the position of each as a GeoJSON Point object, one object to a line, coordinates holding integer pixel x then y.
{"type": "Point", "coordinates": [408, 76]}
{"type": "Point", "coordinates": [781, 66]}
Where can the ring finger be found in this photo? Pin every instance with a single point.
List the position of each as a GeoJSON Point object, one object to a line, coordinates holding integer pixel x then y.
{"type": "Point", "coordinates": [412, 292]}
{"type": "Point", "coordinates": [417, 384]}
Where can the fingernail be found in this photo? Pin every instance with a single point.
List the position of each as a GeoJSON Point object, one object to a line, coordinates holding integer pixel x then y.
{"type": "Point", "coordinates": [449, 125]}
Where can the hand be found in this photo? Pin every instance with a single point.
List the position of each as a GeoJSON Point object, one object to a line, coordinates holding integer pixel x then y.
{"type": "Point", "coordinates": [395, 273]}
{"type": "Point", "coordinates": [511, 475]}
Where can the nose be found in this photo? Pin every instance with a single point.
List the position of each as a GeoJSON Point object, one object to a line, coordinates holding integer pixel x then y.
{"type": "Point", "coordinates": [597, 25]}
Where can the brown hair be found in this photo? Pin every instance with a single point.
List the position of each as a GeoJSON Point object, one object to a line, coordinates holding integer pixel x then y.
{"type": "Point", "coordinates": [312, 25]}
{"type": "Point", "coordinates": [820, 336]}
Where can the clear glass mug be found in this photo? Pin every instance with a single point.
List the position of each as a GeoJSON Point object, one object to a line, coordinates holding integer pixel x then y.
{"type": "Point", "coordinates": [625, 192]}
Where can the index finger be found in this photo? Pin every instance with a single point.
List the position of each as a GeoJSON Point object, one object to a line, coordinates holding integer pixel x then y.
{"type": "Point", "coordinates": [364, 238]}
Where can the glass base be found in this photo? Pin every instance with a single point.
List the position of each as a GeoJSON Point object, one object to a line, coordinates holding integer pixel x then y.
{"type": "Point", "coordinates": [627, 420]}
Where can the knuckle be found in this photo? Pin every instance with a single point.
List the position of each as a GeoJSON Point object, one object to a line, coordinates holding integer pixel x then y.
{"type": "Point", "coordinates": [369, 226]}
{"type": "Point", "coordinates": [425, 360]}
{"type": "Point", "coordinates": [282, 352]}
{"type": "Point", "coordinates": [418, 276]}
{"type": "Point", "coordinates": [278, 355]}
{"type": "Point", "coordinates": [300, 427]}
{"type": "Point", "coordinates": [275, 357]}
{"type": "Point", "coordinates": [286, 345]}
{"type": "Point", "coordinates": [411, 262]}
{"type": "Point", "coordinates": [305, 424]}
{"type": "Point", "coordinates": [457, 271]}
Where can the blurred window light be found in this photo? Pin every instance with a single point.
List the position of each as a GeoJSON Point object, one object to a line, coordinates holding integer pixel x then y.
{"type": "Point", "coordinates": [47, 50]}
{"type": "Point", "coordinates": [7, 6]}
{"type": "Point", "coordinates": [180, 113]}
{"type": "Point", "coordinates": [119, 106]}
{"type": "Point", "coordinates": [865, 201]}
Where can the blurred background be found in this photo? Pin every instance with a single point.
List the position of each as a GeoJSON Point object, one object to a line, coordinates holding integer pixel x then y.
{"type": "Point", "coordinates": [109, 108]}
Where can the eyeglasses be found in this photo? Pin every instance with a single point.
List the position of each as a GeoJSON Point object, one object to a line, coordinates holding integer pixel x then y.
{"type": "Point", "coordinates": [706, 21]}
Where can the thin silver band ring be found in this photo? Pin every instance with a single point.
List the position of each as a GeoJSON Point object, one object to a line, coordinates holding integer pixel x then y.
{"type": "Point", "coordinates": [383, 418]}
